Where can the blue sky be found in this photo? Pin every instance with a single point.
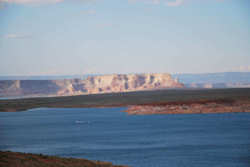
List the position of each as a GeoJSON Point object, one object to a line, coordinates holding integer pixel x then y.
{"type": "Point", "coordinates": [64, 37]}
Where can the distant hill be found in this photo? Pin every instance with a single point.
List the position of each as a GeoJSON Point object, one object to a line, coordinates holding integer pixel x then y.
{"type": "Point", "coordinates": [215, 80]}
{"type": "Point", "coordinates": [225, 77]}
{"type": "Point", "coordinates": [44, 77]}
{"type": "Point", "coordinates": [53, 85]}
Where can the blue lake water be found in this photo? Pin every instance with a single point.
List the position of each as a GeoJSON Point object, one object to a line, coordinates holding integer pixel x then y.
{"type": "Point", "coordinates": [191, 140]}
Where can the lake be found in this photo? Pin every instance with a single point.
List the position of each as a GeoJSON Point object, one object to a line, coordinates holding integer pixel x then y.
{"type": "Point", "coordinates": [106, 134]}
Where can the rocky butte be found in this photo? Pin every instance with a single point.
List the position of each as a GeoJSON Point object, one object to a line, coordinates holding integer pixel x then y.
{"type": "Point", "coordinates": [91, 85]}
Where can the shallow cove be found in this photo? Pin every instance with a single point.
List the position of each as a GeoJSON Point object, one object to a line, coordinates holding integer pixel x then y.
{"type": "Point", "coordinates": [192, 140]}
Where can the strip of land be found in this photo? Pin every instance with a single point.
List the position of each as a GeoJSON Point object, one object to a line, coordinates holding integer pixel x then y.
{"type": "Point", "coordinates": [15, 159]}
{"type": "Point", "coordinates": [172, 101]}
{"type": "Point", "coordinates": [191, 107]}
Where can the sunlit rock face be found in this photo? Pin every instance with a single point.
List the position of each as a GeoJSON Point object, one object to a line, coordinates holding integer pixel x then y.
{"type": "Point", "coordinates": [91, 85]}
{"type": "Point", "coordinates": [130, 82]}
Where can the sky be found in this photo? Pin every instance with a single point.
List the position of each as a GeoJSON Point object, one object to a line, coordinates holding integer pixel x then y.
{"type": "Point", "coordinates": [75, 37]}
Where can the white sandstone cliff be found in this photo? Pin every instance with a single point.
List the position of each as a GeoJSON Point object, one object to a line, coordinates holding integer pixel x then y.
{"type": "Point", "coordinates": [91, 85]}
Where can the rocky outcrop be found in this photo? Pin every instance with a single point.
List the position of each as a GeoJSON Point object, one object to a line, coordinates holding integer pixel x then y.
{"type": "Point", "coordinates": [91, 85]}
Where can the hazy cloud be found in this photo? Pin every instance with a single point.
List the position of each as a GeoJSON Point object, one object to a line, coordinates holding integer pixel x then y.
{"type": "Point", "coordinates": [39, 1]}
{"type": "Point", "coordinates": [89, 12]}
{"type": "Point", "coordinates": [241, 69]}
{"type": "Point", "coordinates": [174, 3]}
{"type": "Point", "coordinates": [105, 25]}
{"type": "Point", "coordinates": [1, 5]}
{"type": "Point", "coordinates": [244, 68]}
{"type": "Point", "coordinates": [16, 36]}
{"type": "Point", "coordinates": [30, 1]}
{"type": "Point", "coordinates": [157, 2]}
{"type": "Point", "coordinates": [171, 3]}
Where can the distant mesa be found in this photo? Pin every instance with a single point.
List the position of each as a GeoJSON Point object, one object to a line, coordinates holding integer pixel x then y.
{"type": "Point", "coordinates": [90, 85]}
{"type": "Point", "coordinates": [215, 80]}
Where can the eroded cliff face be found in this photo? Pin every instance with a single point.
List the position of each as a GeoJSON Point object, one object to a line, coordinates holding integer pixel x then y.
{"type": "Point", "coordinates": [91, 85]}
{"type": "Point", "coordinates": [131, 82]}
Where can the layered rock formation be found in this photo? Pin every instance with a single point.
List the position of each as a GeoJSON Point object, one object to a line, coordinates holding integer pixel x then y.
{"type": "Point", "coordinates": [91, 85]}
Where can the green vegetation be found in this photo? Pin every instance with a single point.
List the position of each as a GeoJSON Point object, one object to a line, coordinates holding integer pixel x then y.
{"type": "Point", "coordinates": [125, 99]}
{"type": "Point", "coordinates": [14, 159]}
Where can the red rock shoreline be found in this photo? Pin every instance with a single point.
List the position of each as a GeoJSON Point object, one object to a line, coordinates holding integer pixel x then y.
{"type": "Point", "coordinates": [190, 107]}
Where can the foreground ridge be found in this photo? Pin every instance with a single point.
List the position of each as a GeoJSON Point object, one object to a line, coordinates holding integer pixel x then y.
{"type": "Point", "coordinates": [16, 159]}
{"type": "Point", "coordinates": [180, 97]}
